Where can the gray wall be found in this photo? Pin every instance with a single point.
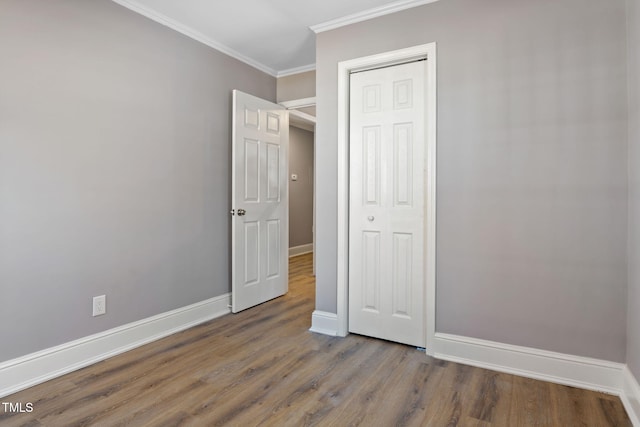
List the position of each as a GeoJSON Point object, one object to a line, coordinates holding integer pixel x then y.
{"type": "Point", "coordinates": [633, 324]}
{"type": "Point", "coordinates": [297, 86]}
{"type": "Point", "coordinates": [300, 191]}
{"type": "Point", "coordinates": [114, 169]}
{"type": "Point", "coordinates": [532, 166]}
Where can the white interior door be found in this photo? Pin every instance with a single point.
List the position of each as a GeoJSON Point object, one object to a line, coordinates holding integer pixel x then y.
{"type": "Point", "coordinates": [259, 188]}
{"type": "Point", "coordinates": [387, 203]}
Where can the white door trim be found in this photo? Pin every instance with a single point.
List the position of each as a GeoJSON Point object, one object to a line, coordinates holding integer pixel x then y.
{"type": "Point", "coordinates": [299, 103]}
{"type": "Point", "coordinates": [344, 69]}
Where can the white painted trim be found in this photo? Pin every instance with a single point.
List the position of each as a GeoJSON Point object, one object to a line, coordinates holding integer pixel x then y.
{"type": "Point", "coordinates": [575, 371]}
{"type": "Point", "coordinates": [630, 396]}
{"type": "Point", "coordinates": [296, 70]}
{"type": "Point", "coordinates": [196, 35]}
{"type": "Point", "coordinates": [430, 211]}
{"type": "Point", "coordinates": [299, 118]}
{"type": "Point", "coordinates": [299, 103]}
{"type": "Point", "coordinates": [325, 323]}
{"type": "Point", "coordinates": [36, 368]}
{"type": "Point", "coordinates": [342, 250]}
{"type": "Point", "coordinates": [368, 14]}
{"type": "Point", "coordinates": [300, 250]}
{"type": "Point", "coordinates": [304, 117]}
{"type": "Point", "coordinates": [344, 68]}
{"type": "Point", "coordinates": [300, 124]}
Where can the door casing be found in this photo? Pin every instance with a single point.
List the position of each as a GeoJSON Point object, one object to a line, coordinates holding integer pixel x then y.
{"type": "Point", "coordinates": [428, 52]}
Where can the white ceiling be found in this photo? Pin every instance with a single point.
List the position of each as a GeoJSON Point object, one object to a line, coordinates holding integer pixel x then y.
{"type": "Point", "coordinates": [272, 35]}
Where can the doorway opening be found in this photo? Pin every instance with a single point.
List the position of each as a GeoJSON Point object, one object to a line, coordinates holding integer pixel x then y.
{"type": "Point", "coordinates": [302, 122]}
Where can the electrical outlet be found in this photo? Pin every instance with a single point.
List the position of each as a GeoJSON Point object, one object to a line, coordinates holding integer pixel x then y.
{"type": "Point", "coordinates": [99, 305]}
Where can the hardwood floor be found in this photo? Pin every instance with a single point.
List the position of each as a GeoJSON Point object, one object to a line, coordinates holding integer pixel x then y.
{"type": "Point", "coordinates": [263, 367]}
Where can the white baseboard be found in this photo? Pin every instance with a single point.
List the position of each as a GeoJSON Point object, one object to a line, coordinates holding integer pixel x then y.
{"type": "Point", "coordinates": [576, 371]}
{"type": "Point", "coordinates": [23, 372]}
{"type": "Point", "coordinates": [300, 250]}
{"type": "Point", "coordinates": [630, 396]}
{"type": "Point", "coordinates": [325, 323]}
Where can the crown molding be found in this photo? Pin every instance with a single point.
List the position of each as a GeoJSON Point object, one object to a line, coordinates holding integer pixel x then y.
{"type": "Point", "coordinates": [195, 35]}
{"type": "Point", "coordinates": [296, 70]}
{"type": "Point", "coordinates": [368, 14]}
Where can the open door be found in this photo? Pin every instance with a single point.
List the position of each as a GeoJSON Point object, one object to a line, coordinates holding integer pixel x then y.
{"type": "Point", "coordinates": [259, 201]}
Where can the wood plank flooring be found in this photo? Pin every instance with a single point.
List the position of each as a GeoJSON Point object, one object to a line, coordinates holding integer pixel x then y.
{"type": "Point", "coordinates": [262, 367]}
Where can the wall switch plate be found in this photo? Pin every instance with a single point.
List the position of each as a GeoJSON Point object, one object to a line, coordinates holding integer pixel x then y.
{"type": "Point", "coordinates": [99, 305]}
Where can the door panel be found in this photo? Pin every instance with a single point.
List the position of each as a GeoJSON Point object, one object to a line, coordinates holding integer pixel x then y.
{"type": "Point", "coordinates": [402, 277]}
{"type": "Point", "coordinates": [371, 162]}
{"type": "Point", "coordinates": [251, 170]}
{"type": "Point", "coordinates": [260, 232]}
{"type": "Point", "coordinates": [371, 271]}
{"type": "Point", "coordinates": [387, 204]}
{"type": "Point", "coordinates": [273, 173]}
{"type": "Point", "coordinates": [402, 168]}
{"type": "Point", "coordinates": [251, 253]}
{"type": "Point", "coordinates": [273, 248]}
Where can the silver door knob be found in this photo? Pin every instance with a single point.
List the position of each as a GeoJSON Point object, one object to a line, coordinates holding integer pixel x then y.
{"type": "Point", "coordinates": [241, 212]}
{"type": "Point", "coordinates": [370, 217]}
